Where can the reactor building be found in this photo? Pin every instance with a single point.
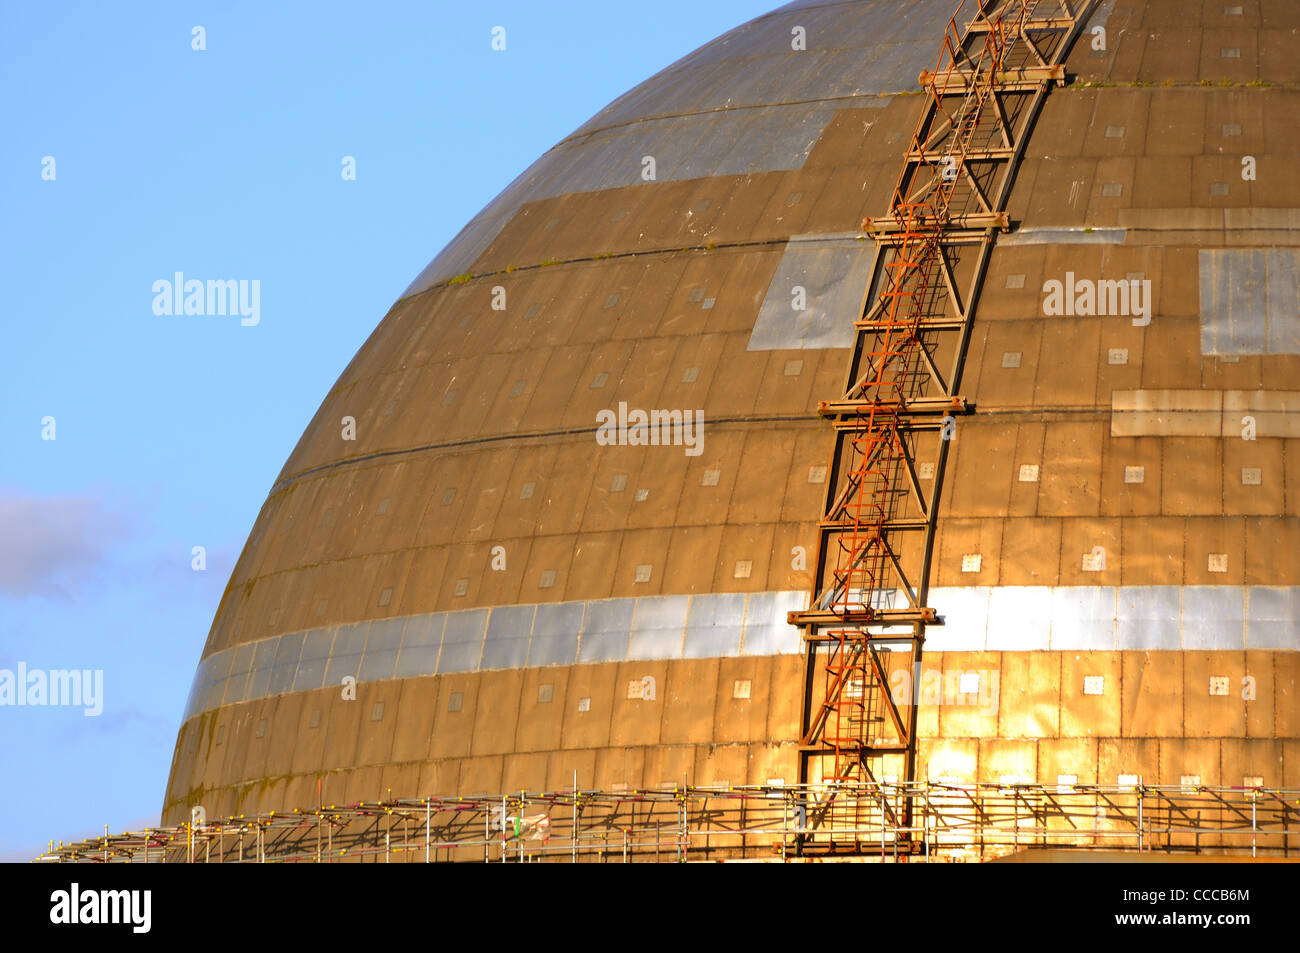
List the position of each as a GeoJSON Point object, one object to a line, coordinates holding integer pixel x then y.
{"type": "Point", "coordinates": [596, 501]}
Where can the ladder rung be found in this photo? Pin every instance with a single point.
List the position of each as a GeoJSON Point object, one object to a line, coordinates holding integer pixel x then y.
{"type": "Point", "coordinates": [1048, 25]}
{"type": "Point", "coordinates": [831, 617]}
{"type": "Point", "coordinates": [903, 425]}
{"type": "Point", "coordinates": [1012, 80]}
{"type": "Point", "coordinates": [916, 407]}
{"type": "Point", "coordinates": [888, 526]}
{"type": "Point", "coordinates": [945, 239]}
{"type": "Point", "coordinates": [947, 324]}
{"type": "Point", "coordinates": [888, 225]}
{"type": "Point", "coordinates": [977, 155]}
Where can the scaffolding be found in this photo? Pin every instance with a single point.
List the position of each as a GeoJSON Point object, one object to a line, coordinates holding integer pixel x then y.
{"type": "Point", "coordinates": [865, 626]}
{"type": "Point", "coordinates": [949, 821]}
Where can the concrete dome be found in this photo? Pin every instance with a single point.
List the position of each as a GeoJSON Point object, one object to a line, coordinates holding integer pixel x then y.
{"type": "Point", "coordinates": [518, 601]}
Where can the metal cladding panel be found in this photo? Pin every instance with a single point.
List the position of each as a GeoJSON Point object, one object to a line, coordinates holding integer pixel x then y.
{"type": "Point", "coordinates": [210, 681]}
{"type": "Point", "coordinates": [214, 668]}
{"type": "Point", "coordinates": [221, 691]}
{"type": "Point", "coordinates": [508, 633]}
{"type": "Point", "coordinates": [1006, 618]}
{"type": "Point", "coordinates": [385, 635]}
{"type": "Point", "coordinates": [833, 73]}
{"type": "Point", "coordinates": [1065, 236]}
{"type": "Point", "coordinates": [1283, 300]}
{"type": "Point", "coordinates": [342, 666]}
{"type": "Point", "coordinates": [1213, 617]}
{"type": "Point", "coordinates": [383, 644]}
{"type": "Point", "coordinates": [832, 271]}
{"type": "Point", "coordinates": [424, 631]}
{"type": "Point", "coordinates": [555, 634]}
{"type": "Point", "coordinates": [285, 666]}
{"type": "Point", "coordinates": [658, 627]}
{"type": "Point", "coordinates": [674, 145]}
{"type": "Point", "coordinates": [243, 662]}
{"type": "Point", "coordinates": [715, 625]}
{"type": "Point", "coordinates": [772, 140]}
{"type": "Point", "coordinates": [1271, 613]}
{"type": "Point", "coordinates": [350, 639]}
{"type": "Point", "coordinates": [259, 674]}
{"type": "Point", "coordinates": [1233, 302]}
{"type": "Point", "coordinates": [317, 644]}
{"type": "Point", "coordinates": [644, 628]}
{"type": "Point", "coordinates": [606, 628]}
{"type": "Point", "coordinates": [462, 641]}
{"type": "Point", "coordinates": [345, 655]}
{"type": "Point", "coordinates": [1083, 617]}
{"type": "Point", "coordinates": [1019, 618]}
{"type": "Point", "coordinates": [1147, 617]}
{"type": "Point", "coordinates": [766, 630]}
{"type": "Point", "coordinates": [1249, 301]}
{"type": "Point", "coordinates": [311, 673]}
{"type": "Point", "coordinates": [709, 146]}
{"type": "Point", "coordinates": [421, 643]}
{"type": "Point", "coordinates": [210, 696]}
{"type": "Point", "coordinates": [965, 616]}
{"type": "Point", "coordinates": [237, 681]}
{"type": "Point", "coordinates": [761, 81]}
{"type": "Point", "coordinates": [197, 696]}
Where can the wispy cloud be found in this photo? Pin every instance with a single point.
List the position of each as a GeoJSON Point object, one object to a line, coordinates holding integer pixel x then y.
{"type": "Point", "coordinates": [52, 545]}
{"type": "Point", "coordinates": [132, 718]}
{"type": "Point", "coordinates": [175, 563]}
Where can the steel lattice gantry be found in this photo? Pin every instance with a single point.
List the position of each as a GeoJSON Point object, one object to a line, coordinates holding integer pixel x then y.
{"type": "Point", "coordinates": [865, 629]}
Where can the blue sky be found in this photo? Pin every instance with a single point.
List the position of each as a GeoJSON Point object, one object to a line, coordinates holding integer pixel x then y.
{"type": "Point", "coordinates": [169, 430]}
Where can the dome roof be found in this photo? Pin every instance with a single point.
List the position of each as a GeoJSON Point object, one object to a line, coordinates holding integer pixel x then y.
{"type": "Point", "coordinates": [452, 532]}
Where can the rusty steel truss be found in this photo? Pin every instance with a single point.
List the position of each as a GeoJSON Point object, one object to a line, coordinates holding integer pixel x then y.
{"type": "Point", "coordinates": [865, 626]}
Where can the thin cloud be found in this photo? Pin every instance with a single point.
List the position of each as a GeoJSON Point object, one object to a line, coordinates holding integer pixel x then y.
{"type": "Point", "coordinates": [53, 545]}
{"type": "Point", "coordinates": [133, 718]}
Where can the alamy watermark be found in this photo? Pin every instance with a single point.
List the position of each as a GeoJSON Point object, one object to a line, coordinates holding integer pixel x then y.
{"type": "Point", "coordinates": [215, 296]}
{"type": "Point", "coordinates": [132, 908]}
{"type": "Point", "coordinates": [971, 688]}
{"type": "Point", "coordinates": [57, 688]}
{"type": "Point", "coordinates": [651, 428]}
{"type": "Point", "coordinates": [1130, 297]}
